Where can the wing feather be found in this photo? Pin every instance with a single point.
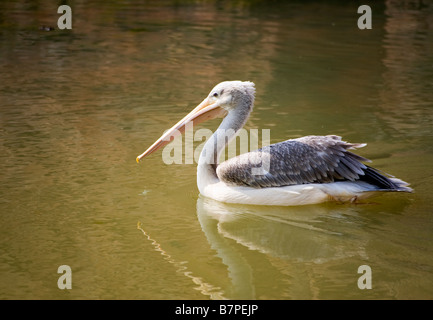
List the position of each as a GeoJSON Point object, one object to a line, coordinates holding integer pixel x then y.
{"type": "Point", "coordinates": [311, 159]}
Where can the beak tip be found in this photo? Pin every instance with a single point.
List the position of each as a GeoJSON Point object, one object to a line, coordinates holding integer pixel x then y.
{"type": "Point", "coordinates": [137, 159]}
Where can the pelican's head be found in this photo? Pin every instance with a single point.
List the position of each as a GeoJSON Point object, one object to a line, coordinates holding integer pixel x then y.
{"type": "Point", "coordinates": [225, 97]}
{"type": "Point", "coordinates": [231, 95]}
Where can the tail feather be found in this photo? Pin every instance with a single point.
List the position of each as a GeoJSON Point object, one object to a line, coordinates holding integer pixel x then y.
{"type": "Point", "coordinates": [374, 177]}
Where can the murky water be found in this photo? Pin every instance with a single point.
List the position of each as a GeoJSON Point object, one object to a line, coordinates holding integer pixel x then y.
{"type": "Point", "coordinates": [77, 106]}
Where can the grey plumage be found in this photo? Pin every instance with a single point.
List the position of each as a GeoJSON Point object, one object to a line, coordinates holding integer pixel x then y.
{"type": "Point", "coordinates": [310, 159]}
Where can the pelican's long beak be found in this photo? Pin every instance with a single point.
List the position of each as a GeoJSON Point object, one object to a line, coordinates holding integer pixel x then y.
{"type": "Point", "coordinates": [203, 112]}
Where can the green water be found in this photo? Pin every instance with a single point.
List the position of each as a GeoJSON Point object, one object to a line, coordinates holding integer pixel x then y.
{"type": "Point", "coordinates": [77, 106]}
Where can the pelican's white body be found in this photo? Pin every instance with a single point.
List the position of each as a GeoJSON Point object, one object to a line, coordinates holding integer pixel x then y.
{"type": "Point", "coordinates": [210, 185]}
{"type": "Point", "coordinates": [302, 194]}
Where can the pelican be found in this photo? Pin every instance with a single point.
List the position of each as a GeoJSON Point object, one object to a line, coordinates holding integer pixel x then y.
{"type": "Point", "coordinates": [307, 170]}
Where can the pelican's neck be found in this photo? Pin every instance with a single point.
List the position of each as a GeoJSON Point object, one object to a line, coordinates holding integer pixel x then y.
{"type": "Point", "coordinates": [208, 161]}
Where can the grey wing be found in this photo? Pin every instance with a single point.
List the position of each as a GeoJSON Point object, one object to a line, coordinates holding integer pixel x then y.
{"type": "Point", "coordinates": [311, 159]}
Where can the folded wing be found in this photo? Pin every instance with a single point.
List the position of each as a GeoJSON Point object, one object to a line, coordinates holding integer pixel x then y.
{"type": "Point", "coordinates": [310, 159]}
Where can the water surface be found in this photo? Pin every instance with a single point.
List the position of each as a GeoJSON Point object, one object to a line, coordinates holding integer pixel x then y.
{"type": "Point", "coordinates": [77, 106]}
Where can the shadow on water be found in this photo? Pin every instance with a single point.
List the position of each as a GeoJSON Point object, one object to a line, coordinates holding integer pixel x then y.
{"type": "Point", "coordinates": [299, 237]}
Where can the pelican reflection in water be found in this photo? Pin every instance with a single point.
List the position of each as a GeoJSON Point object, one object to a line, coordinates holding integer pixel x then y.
{"type": "Point", "coordinates": [307, 170]}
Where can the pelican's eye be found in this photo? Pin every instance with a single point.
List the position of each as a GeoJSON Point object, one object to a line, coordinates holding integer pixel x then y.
{"type": "Point", "coordinates": [215, 94]}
